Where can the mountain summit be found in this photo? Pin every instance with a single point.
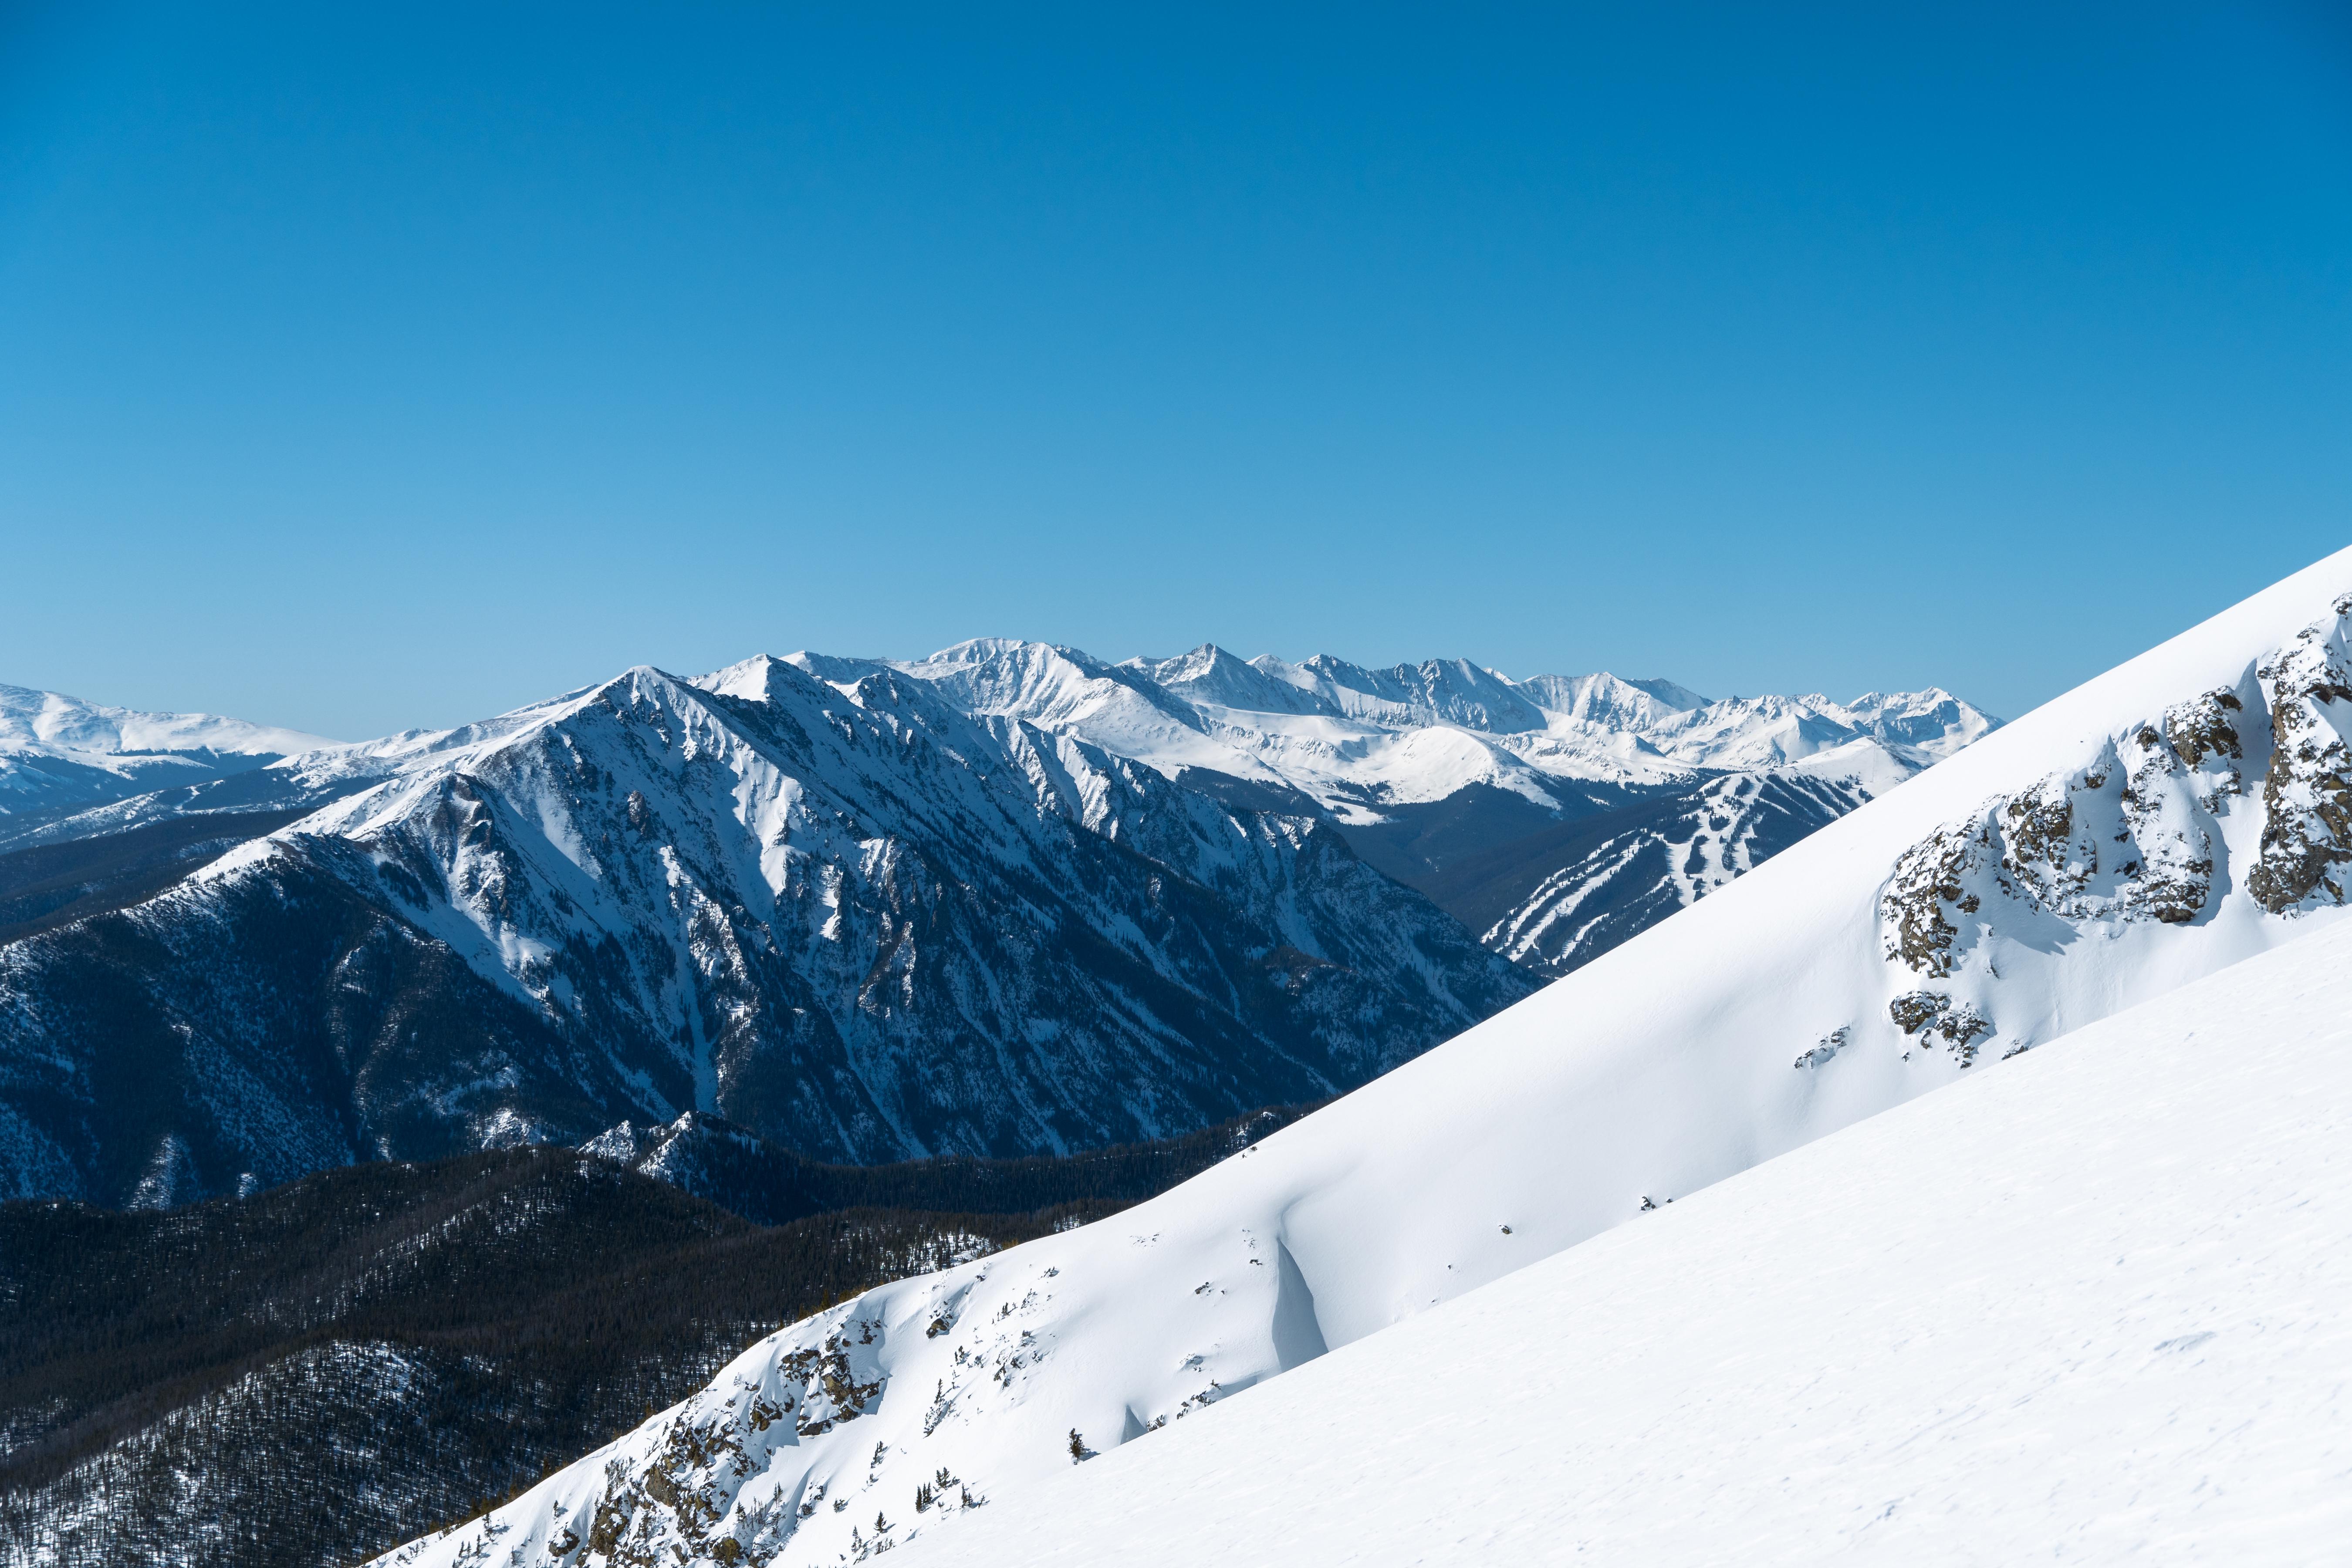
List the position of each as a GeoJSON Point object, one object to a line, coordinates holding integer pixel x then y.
{"type": "Point", "coordinates": [845, 913]}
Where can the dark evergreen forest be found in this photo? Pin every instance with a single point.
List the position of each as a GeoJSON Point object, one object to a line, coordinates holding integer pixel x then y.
{"type": "Point", "coordinates": [299, 1377]}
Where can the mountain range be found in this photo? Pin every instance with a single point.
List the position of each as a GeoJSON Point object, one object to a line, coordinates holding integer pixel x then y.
{"type": "Point", "coordinates": [1005, 900]}
{"type": "Point", "coordinates": [2188, 812]}
{"type": "Point", "coordinates": [59, 755]}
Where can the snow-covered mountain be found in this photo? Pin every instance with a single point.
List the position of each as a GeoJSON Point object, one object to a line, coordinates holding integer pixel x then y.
{"type": "Point", "coordinates": [1361, 741]}
{"type": "Point", "coordinates": [60, 754]}
{"type": "Point", "coordinates": [2189, 810]}
{"type": "Point", "coordinates": [823, 903]}
{"type": "Point", "coordinates": [1556, 817]}
{"type": "Point", "coordinates": [2113, 1337]}
{"type": "Point", "coordinates": [1006, 898]}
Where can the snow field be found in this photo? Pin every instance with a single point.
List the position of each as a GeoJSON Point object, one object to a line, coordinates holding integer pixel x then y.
{"type": "Point", "coordinates": [2084, 1309]}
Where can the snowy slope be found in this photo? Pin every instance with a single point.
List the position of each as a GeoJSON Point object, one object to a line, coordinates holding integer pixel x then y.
{"type": "Point", "coordinates": [58, 752]}
{"type": "Point", "coordinates": [2086, 1309]}
{"type": "Point", "coordinates": [2129, 837]}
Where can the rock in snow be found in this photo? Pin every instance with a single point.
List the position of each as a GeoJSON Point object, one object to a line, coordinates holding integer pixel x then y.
{"type": "Point", "coordinates": [2087, 857]}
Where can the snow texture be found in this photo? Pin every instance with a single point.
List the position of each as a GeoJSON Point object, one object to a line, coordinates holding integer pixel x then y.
{"type": "Point", "coordinates": [2084, 1311]}
{"type": "Point", "coordinates": [2098, 853]}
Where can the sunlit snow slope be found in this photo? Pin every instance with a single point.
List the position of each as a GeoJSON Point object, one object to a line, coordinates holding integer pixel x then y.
{"type": "Point", "coordinates": [2088, 1309]}
{"type": "Point", "coordinates": [2184, 812]}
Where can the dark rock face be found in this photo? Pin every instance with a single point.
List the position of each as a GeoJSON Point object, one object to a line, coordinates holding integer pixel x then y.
{"type": "Point", "coordinates": [2307, 793]}
{"type": "Point", "coordinates": [2138, 836]}
{"type": "Point", "coordinates": [1928, 1015]}
{"type": "Point", "coordinates": [2133, 838]}
{"type": "Point", "coordinates": [851, 919]}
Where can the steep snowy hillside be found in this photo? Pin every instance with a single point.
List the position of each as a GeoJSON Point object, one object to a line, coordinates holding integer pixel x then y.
{"type": "Point", "coordinates": [2116, 1337]}
{"type": "Point", "coordinates": [442, 1332]}
{"type": "Point", "coordinates": [58, 753]}
{"type": "Point", "coordinates": [841, 912]}
{"type": "Point", "coordinates": [2184, 812]}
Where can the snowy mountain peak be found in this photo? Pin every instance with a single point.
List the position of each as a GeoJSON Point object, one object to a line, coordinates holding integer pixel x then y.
{"type": "Point", "coordinates": [1358, 739]}
{"type": "Point", "coordinates": [1608, 702]}
{"type": "Point", "coordinates": [1056, 687]}
{"type": "Point", "coordinates": [1209, 677]}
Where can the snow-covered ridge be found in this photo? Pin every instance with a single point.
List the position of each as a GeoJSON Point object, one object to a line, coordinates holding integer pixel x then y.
{"type": "Point", "coordinates": [2123, 845]}
{"type": "Point", "coordinates": [59, 751]}
{"type": "Point", "coordinates": [793, 890]}
{"type": "Point", "coordinates": [2083, 1307]}
{"type": "Point", "coordinates": [1352, 739]}
{"type": "Point", "coordinates": [1356, 740]}
{"type": "Point", "coordinates": [849, 916]}
{"type": "Point", "coordinates": [67, 724]}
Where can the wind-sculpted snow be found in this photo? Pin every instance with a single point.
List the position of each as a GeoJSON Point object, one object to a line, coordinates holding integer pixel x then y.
{"type": "Point", "coordinates": [848, 916]}
{"type": "Point", "coordinates": [1780, 1007]}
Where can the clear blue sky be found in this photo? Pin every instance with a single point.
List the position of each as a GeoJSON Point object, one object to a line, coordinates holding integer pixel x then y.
{"type": "Point", "coordinates": [362, 367]}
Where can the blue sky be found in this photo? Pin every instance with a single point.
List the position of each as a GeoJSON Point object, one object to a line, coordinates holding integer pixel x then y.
{"type": "Point", "coordinates": [362, 367]}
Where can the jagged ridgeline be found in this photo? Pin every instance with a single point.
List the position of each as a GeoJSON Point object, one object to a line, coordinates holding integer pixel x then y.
{"type": "Point", "coordinates": [845, 915]}
{"type": "Point", "coordinates": [341, 1356]}
{"type": "Point", "coordinates": [1009, 898]}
